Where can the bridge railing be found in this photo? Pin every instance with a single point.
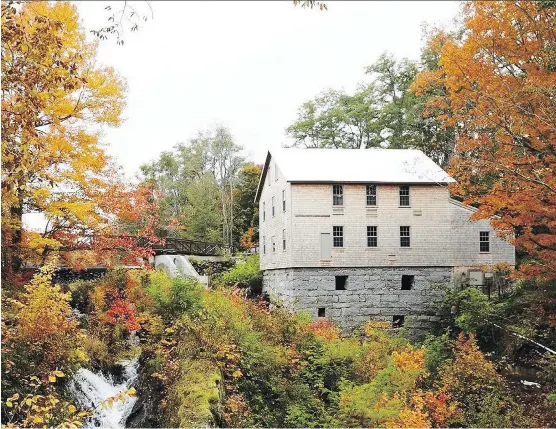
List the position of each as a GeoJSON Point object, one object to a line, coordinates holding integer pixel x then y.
{"type": "Point", "coordinates": [191, 247]}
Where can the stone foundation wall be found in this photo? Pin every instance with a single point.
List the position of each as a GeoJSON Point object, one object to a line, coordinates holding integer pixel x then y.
{"type": "Point", "coordinates": [370, 293]}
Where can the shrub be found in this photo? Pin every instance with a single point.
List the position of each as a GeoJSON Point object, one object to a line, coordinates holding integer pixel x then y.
{"type": "Point", "coordinates": [469, 308]}
{"type": "Point", "coordinates": [174, 296]}
{"type": "Point", "coordinates": [245, 274]}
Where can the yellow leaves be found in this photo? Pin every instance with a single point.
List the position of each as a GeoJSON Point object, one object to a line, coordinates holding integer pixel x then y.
{"type": "Point", "coordinates": [410, 360]}
{"type": "Point", "coordinates": [52, 118]}
{"type": "Point", "coordinates": [52, 377]}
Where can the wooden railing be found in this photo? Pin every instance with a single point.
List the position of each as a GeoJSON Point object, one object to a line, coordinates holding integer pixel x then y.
{"type": "Point", "coordinates": [191, 247]}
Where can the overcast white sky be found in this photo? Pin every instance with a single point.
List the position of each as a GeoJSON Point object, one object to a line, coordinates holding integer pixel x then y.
{"type": "Point", "coordinates": [246, 65]}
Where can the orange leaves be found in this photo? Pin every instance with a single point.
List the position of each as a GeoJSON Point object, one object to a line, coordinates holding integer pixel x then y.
{"type": "Point", "coordinates": [324, 328]}
{"type": "Point", "coordinates": [123, 312]}
{"type": "Point", "coordinates": [247, 238]}
{"type": "Point", "coordinates": [499, 83]}
{"type": "Point", "coordinates": [410, 360]}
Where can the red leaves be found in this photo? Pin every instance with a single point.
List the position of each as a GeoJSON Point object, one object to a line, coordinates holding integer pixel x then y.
{"type": "Point", "coordinates": [123, 312]}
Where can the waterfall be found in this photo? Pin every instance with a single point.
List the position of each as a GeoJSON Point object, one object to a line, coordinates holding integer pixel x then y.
{"type": "Point", "coordinates": [90, 388]}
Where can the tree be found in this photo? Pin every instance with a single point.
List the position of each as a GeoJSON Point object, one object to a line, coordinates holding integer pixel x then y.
{"type": "Point", "coordinates": [381, 113]}
{"type": "Point", "coordinates": [197, 184]}
{"type": "Point", "coordinates": [225, 161]}
{"type": "Point", "coordinates": [500, 82]}
{"type": "Point", "coordinates": [53, 100]}
{"type": "Point", "coordinates": [188, 194]}
{"type": "Point", "coordinates": [335, 119]}
{"type": "Point", "coordinates": [246, 211]}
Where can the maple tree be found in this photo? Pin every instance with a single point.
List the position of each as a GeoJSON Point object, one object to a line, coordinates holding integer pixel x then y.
{"type": "Point", "coordinates": [499, 85]}
{"type": "Point", "coordinates": [54, 101]}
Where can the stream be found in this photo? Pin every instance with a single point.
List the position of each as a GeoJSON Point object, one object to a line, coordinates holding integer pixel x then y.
{"type": "Point", "coordinates": [90, 388]}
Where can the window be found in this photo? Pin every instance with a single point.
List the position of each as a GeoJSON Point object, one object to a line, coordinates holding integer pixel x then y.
{"type": "Point", "coordinates": [404, 236]}
{"type": "Point", "coordinates": [371, 195]}
{"type": "Point", "coordinates": [338, 195]}
{"type": "Point", "coordinates": [338, 236]}
{"type": "Point", "coordinates": [404, 196]}
{"type": "Point", "coordinates": [398, 321]}
{"type": "Point", "coordinates": [341, 282]}
{"type": "Point", "coordinates": [273, 245]}
{"type": "Point", "coordinates": [321, 312]}
{"type": "Point", "coordinates": [372, 236]}
{"type": "Point", "coordinates": [283, 239]}
{"type": "Point", "coordinates": [264, 246]}
{"type": "Point", "coordinates": [264, 211]}
{"type": "Point", "coordinates": [284, 200]}
{"type": "Point", "coordinates": [484, 241]}
{"type": "Point", "coordinates": [275, 173]}
{"type": "Point", "coordinates": [268, 175]}
{"type": "Point", "coordinates": [272, 206]}
{"type": "Point", "coordinates": [407, 282]}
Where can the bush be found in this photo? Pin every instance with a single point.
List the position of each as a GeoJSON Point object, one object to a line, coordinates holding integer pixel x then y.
{"type": "Point", "coordinates": [469, 308]}
{"type": "Point", "coordinates": [245, 274]}
{"type": "Point", "coordinates": [174, 296]}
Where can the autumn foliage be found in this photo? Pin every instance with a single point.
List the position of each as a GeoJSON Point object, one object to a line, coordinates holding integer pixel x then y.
{"type": "Point", "coordinates": [55, 99]}
{"type": "Point", "coordinates": [499, 85]}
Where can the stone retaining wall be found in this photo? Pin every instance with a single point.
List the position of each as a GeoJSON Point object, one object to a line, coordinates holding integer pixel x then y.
{"type": "Point", "coordinates": [370, 293]}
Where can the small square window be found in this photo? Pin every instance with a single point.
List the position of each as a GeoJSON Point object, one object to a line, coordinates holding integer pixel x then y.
{"type": "Point", "coordinates": [405, 238]}
{"type": "Point", "coordinates": [484, 241]}
{"type": "Point", "coordinates": [264, 246]}
{"type": "Point", "coordinates": [338, 236]}
{"type": "Point", "coordinates": [371, 195]}
{"type": "Point", "coordinates": [283, 239]}
{"type": "Point", "coordinates": [284, 200]}
{"type": "Point", "coordinates": [341, 282]}
{"type": "Point", "coordinates": [404, 196]}
{"type": "Point", "coordinates": [407, 282]}
{"type": "Point", "coordinates": [398, 321]}
{"type": "Point", "coordinates": [372, 236]}
{"type": "Point", "coordinates": [338, 195]}
{"type": "Point", "coordinates": [272, 206]}
{"type": "Point", "coordinates": [321, 312]}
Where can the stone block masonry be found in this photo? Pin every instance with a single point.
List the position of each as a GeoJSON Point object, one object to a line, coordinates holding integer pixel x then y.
{"type": "Point", "coordinates": [369, 293]}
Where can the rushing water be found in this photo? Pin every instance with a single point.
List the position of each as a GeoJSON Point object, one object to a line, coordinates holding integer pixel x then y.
{"type": "Point", "coordinates": [90, 388]}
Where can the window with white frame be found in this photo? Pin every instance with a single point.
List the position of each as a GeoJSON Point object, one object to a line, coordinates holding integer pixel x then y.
{"type": "Point", "coordinates": [273, 207]}
{"type": "Point", "coordinates": [404, 196]}
{"type": "Point", "coordinates": [372, 236]}
{"type": "Point", "coordinates": [371, 195]}
{"type": "Point", "coordinates": [284, 200]}
{"type": "Point", "coordinates": [484, 241]}
{"type": "Point", "coordinates": [268, 175]}
{"type": "Point", "coordinates": [273, 245]}
{"type": "Point", "coordinates": [405, 238]}
{"type": "Point", "coordinates": [283, 239]}
{"type": "Point", "coordinates": [275, 173]}
{"type": "Point", "coordinates": [338, 236]}
{"type": "Point", "coordinates": [264, 211]}
{"type": "Point", "coordinates": [338, 195]}
{"type": "Point", "coordinates": [264, 245]}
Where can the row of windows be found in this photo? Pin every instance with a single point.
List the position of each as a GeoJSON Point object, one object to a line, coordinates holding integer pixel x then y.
{"type": "Point", "coordinates": [273, 207]}
{"type": "Point", "coordinates": [372, 236]}
{"type": "Point", "coordinates": [405, 237]}
{"type": "Point", "coordinates": [273, 242]}
{"type": "Point", "coordinates": [370, 195]}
